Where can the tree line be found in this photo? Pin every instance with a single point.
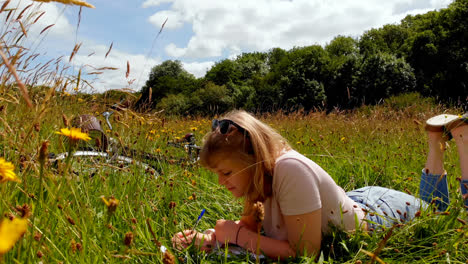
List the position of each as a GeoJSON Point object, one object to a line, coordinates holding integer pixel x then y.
{"type": "Point", "coordinates": [425, 53]}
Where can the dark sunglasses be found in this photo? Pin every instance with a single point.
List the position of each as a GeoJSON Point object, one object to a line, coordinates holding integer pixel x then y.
{"type": "Point", "coordinates": [224, 126]}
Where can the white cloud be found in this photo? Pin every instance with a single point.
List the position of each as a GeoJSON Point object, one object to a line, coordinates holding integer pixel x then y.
{"type": "Point", "coordinates": [174, 19]}
{"type": "Point", "coordinates": [149, 3]}
{"type": "Point", "coordinates": [221, 27]}
{"type": "Point", "coordinates": [173, 50]}
{"type": "Point", "coordinates": [53, 15]}
{"type": "Point", "coordinates": [140, 66]}
{"type": "Point", "coordinates": [198, 68]}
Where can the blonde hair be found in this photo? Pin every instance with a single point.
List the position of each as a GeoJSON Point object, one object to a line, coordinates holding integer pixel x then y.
{"type": "Point", "coordinates": [258, 149]}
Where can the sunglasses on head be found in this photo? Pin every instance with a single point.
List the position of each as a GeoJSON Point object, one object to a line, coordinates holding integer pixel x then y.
{"type": "Point", "coordinates": [224, 126]}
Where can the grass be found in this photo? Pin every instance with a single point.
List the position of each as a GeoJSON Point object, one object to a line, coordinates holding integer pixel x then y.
{"type": "Point", "coordinates": [69, 222]}
{"type": "Point", "coordinates": [370, 146]}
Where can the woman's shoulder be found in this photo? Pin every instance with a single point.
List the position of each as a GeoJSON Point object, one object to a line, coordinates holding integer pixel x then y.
{"type": "Point", "coordinates": [295, 163]}
{"type": "Point", "coordinates": [291, 155]}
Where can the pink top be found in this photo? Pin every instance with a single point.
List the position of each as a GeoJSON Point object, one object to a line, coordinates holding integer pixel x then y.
{"type": "Point", "coordinates": [301, 186]}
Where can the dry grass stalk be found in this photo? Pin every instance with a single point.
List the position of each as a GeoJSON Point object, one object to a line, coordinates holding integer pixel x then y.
{"type": "Point", "coordinates": [22, 12]}
{"type": "Point", "coordinates": [9, 14]}
{"type": "Point", "coordinates": [23, 28]}
{"type": "Point", "coordinates": [46, 28]}
{"type": "Point", "coordinates": [75, 50]}
{"type": "Point", "coordinates": [155, 239]}
{"type": "Point", "coordinates": [381, 245]}
{"type": "Point", "coordinates": [258, 215]}
{"type": "Point", "coordinates": [79, 19]}
{"type": "Point", "coordinates": [4, 5]}
{"type": "Point", "coordinates": [162, 26]}
{"type": "Point", "coordinates": [110, 48]}
{"type": "Point", "coordinates": [69, 2]}
{"type": "Point", "coordinates": [37, 18]}
{"type": "Point", "coordinates": [107, 68]}
{"type": "Point", "coordinates": [128, 70]}
{"type": "Point", "coordinates": [21, 85]}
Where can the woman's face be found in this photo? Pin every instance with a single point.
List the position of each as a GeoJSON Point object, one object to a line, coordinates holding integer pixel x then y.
{"type": "Point", "coordinates": [234, 175]}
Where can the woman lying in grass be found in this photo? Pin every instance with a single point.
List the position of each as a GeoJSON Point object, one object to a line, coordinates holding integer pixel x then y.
{"type": "Point", "coordinates": [300, 199]}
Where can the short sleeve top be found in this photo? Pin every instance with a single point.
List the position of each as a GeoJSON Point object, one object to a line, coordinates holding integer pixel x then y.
{"type": "Point", "coordinates": [301, 186]}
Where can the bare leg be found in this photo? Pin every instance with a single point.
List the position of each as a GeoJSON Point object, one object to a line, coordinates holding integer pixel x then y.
{"type": "Point", "coordinates": [435, 156]}
{"type": "Point", "coordinates": [433, 183]}
{"type": "Point", "coordinates": [460, 135]}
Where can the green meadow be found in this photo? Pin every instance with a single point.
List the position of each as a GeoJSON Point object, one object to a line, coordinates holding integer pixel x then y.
{"type": "Point", "coordinates": [68, 221]}
{"type": "Point", "coordinates": [81, 210]}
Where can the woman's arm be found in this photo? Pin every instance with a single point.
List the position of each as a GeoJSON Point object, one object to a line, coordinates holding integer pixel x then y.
{"type": "Point", "coordinates": [235, 233]}
{"type": "Point", "coordinates": [304, 236]}
{"type": "Point", "coordinates": [305, 232]}
{"type": "Point", "coordinates": [249, 222]}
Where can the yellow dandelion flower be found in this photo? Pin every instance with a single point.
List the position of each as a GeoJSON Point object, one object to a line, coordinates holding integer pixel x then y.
{"type": "Point", "coordinates": [158, 150]}
{"type": "Point", "coordinates": [10, 232]}
{"type": "Point", "coordinates": [190, 197]}
{"type": "Point", "coordinates": [7, 171]}
{"type": "Point", "coordinates": [80, 100]}
{"type": "Point", "coordinates": [343, 139]}
{"type": "Point", "coordinates": [74, 134]}
{"type": "Point", "coordinates": [69, 2]}
{"type": "Point", "coordinates": [194, 128]}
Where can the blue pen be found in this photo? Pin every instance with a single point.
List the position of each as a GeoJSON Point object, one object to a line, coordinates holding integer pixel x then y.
{"type": "Point", "coordinates": [198, 220]}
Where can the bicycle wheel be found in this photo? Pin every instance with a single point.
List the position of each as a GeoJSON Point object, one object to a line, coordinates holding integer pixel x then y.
{"type": "Point", "coordinates": [90, 163]}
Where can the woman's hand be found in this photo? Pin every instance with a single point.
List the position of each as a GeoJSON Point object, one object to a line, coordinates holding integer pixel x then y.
{"type": "Point", "coordinates": [226, 231]}
{"type": "Point", "coordinates": [204, 241]}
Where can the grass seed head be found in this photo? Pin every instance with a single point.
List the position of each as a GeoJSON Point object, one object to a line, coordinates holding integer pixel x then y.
{"type": "Point", "coordinates": [258, 212]}
{"type": "Point", "coordinates": [128, 239]}
{"type": "Point", "coordinates": [168, 258]}
{"type": "Point", "coordinates": [65, 120]}
{"type": "Point", "coordinates": [172, 205]}
{"type": "Point", "coordinates": [69, 2]}
{"type": "Point", "coordinates": [24, 210]}
{"type": "Point", "coordinates": [43, 153]}
{"type": "Point", "coordinates": [70, 220]}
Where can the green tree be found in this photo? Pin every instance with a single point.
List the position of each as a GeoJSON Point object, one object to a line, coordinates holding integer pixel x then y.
{"type": "Point", "coordinates": [174, 104]}
{"type": "Point", "coordinates": [300, 79]}
{"type": "Point", "coordinates": [390, 39]}
{"type": "Point", "coordinates": [224, 72]}
{"type": "Point", "coordinates": [380, 76]}
{"type": "Point", "coordinates": [343, 65]}
{"type": "Point", "coordinates": [439, 52]}
{"type": "Point", "coordinates": [211, 99]}
{"type": "Point", "coordinates": [166, 78]}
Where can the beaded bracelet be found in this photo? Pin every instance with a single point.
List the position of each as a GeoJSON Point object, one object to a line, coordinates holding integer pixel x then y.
{"type": "Point", "coordinates": [237, 235]}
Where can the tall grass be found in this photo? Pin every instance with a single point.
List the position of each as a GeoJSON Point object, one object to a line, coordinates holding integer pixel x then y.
{"type": "Point", "coordinates": [69, 222]}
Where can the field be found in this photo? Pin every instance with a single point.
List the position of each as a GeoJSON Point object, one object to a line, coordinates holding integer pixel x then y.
{"type": "Point", "coordinates": [82, 212]}
{"type": "Point", "coordinates": [69, 222]}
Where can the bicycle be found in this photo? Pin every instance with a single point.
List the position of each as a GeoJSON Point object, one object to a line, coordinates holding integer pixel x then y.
{"type": "Point", "coordinates": [104, 151]}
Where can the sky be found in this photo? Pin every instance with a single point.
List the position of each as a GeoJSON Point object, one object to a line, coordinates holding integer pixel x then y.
{"type": "Point", "coordinates": [198, 33]}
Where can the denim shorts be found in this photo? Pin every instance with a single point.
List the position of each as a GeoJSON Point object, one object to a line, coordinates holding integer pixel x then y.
{"type": "Point", "coordinates": [385, 207]}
